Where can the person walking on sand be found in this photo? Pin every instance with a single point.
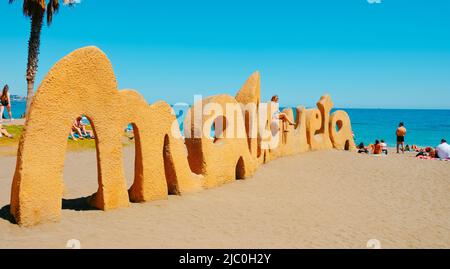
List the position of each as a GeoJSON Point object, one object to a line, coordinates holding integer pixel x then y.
{"type": "Point", "coordinates": [401, 133]}
{"type": "Point", "coordinates": [5, 101]}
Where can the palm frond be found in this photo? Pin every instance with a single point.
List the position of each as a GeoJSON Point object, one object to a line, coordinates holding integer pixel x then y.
{"type": "Point", "coordinates": [52, 8]}
{"type": "Point", "coordinates": [31, 7]}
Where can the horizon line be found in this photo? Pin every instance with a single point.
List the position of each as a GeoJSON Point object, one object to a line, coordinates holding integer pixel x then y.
{"type": "Point", "coordinates": [343, 107]}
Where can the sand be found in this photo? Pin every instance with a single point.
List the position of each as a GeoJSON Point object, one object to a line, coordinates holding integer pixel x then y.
{"type": "Point", "coordinates": [315, 200]}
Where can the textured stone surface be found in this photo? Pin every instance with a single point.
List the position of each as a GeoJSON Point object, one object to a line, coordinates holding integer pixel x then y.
{"type": "Point", "coordinates": [294, 139]}
{"type": "Point", "coordinates": [318, 124]}
{"type": "Point", "coordinates": [161, 166]}
{"type": "Point", "coordinates": [341, 131]}
{"type": "Point", "coordinates": [249, 96]}
{"type": "Point", "coordinates": [83, 83]}
{"type": "Point", "coordinates": [224, 158]}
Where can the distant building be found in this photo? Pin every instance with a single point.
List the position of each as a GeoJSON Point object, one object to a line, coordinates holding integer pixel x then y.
{"type": "Point", "coordinates": [18, 98]}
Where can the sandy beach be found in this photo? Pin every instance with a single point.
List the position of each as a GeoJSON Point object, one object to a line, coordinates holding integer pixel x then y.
{"type": "Point", "coordinates": [328, 199]}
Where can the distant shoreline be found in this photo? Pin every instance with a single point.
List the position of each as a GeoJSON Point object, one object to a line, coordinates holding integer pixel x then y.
{"type": "Point", "coordinates": [426, 127]}
{"type": "Point", "coordinates": [22, 99]}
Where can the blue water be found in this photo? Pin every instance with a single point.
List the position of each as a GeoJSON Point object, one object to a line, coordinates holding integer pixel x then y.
{"type": "Point", "coordinates": [17, 108]}
{"type": "Point", "coordinates": [425, 127]}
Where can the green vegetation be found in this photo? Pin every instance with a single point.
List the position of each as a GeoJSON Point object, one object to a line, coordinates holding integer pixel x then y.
{"type": "Point", "coordinates": [16, 131]}
{"type": "Point", "coordinates": [8, 146]}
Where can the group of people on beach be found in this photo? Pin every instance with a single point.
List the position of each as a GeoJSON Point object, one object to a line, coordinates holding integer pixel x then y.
{"type": "Point", "coordinates": [5, 102]}
{"type": "Point", "coordinates": [380, 147]}
{"type": "Point", "coordinates": [442, 151]}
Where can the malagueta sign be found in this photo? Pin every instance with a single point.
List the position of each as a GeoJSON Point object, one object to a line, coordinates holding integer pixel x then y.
{"type": "Point", "coordinates": [83, 83]}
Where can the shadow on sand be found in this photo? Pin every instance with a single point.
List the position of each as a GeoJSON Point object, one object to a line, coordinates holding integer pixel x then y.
{"type": "Point", "coordinates": [6, 214]}
{"type": "Point", "coordinates": [78, 204]}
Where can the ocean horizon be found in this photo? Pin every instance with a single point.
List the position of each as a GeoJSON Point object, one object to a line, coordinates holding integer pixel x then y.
{"type": "Point", "coordinates": [426, 127]}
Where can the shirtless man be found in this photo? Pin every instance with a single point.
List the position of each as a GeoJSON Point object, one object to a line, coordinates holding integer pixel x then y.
{"type": "Point", "coordinates": [401, 133]}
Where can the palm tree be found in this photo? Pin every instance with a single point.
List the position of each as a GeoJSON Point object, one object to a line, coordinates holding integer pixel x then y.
{"type": "Point", "coordinates": [35, 10]}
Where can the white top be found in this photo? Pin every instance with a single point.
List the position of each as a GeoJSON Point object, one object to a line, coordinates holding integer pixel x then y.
{"type": "Point", "coordinates": [384, 146]}
{"type": "Point", "coordinates": [276, 110]}
{"type": "Point", "coordinates": [443, 151]}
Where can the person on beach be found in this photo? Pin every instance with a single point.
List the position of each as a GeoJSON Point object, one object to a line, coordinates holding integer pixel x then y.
{"type": "Point", "coordinates": [428, 153]}
{"type": "Point", "coordinates": [376, 148]}
{"type": "Point", "coordinates": [401, 133]}
{"type": "Point", "coordinates": [77, 131]}
{"type": "Point", "coordinates": [5, 101]}
{"type": "Point", "coordinates": [79, 128]}
{"type": "Point", "coordinates": [443, 150]}
{"type": "Point", "coordinates": [277, 115]}
{"type": "Point", "coordinates": [384, 147]}
{"type": "Point", "coordinates": [4, 132]}
{"type": "Point", "coordinates": [362, 149]}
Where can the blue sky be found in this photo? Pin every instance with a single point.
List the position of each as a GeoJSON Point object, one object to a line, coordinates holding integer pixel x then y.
{"type": "Point", "coordinates": [395, 54]}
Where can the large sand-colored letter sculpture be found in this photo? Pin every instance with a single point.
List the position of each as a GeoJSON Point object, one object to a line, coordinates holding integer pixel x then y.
{"type": "Point", "coordinates": [83, 83]}
{"type": "Point", "coordinates": [341, 131]}
{"type": "Point", "coordinates": [318, 124]}
{"type": "Point", "coordinates": [161, 165]}
{"type": "Point", "coordinates": [221, 158]}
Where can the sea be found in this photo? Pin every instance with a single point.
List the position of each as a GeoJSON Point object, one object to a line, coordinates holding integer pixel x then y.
{"type": "Point", "coordinates": [425, 127]}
